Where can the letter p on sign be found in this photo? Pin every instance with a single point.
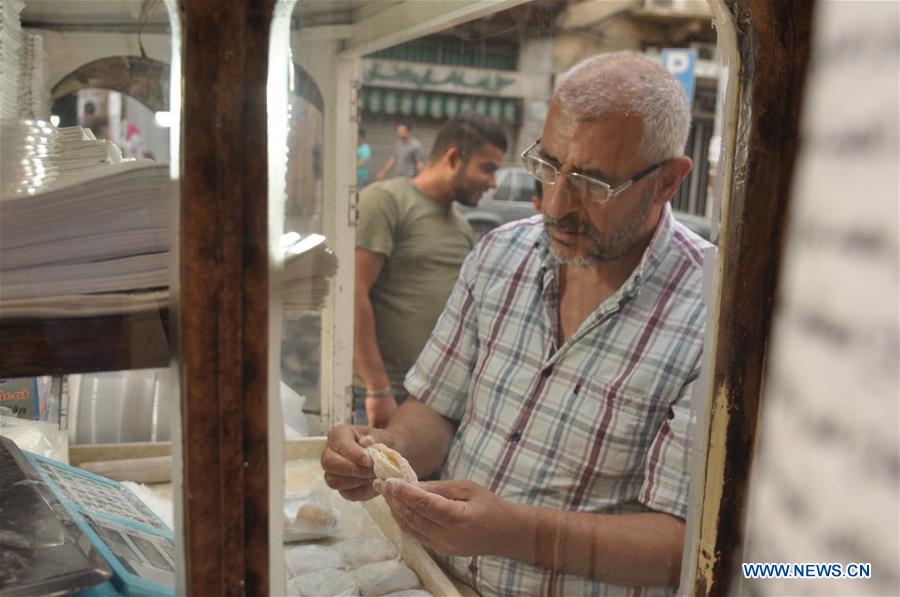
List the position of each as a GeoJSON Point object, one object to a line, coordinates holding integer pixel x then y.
{"type": "Point", "coordinates": [681, 62]}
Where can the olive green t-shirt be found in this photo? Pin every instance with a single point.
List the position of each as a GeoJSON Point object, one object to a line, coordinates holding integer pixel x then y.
{"type": "Point", "coordinates": [424, 244]}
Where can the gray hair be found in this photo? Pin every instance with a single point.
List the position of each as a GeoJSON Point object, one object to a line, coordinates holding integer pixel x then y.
{"type": "Point", "coordinates": [631, 83]}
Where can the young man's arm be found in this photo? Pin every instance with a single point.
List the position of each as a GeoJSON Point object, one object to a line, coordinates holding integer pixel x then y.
{"type": "Point", "coordinates": [387, 168]}
{"type": "Point", "coordinates": [366, 355]}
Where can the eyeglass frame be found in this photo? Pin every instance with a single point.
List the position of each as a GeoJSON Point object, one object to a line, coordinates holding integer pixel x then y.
{"type": "Point", "coordinates": [590, 180]}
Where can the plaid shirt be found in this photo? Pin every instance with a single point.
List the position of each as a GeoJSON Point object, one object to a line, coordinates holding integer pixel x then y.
{"type": "Point", "coordinates": [599, 424]}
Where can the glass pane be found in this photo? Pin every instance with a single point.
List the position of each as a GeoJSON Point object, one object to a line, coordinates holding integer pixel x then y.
{"type": "Point", "coordinates": [88, 205]}
{"type": "Point", "coordinates": [528, 437]}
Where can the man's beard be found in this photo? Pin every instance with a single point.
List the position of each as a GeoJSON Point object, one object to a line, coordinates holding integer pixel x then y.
{"type": "Point", "coordinates": [462, 192]}
{"type": "Point", "coordinates": [603, 248]}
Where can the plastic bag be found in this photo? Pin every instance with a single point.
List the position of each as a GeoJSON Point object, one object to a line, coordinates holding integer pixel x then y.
{"type": "Point", "coordinates": [38, 437]}
{"type": "Point", "coordinates": [295, 423]}
{"type": "Point", "coordinates": [309, 515]}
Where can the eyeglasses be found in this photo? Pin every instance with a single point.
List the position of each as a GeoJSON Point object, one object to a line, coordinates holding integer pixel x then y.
{"type": "Point", "coordinates": [594, 189]}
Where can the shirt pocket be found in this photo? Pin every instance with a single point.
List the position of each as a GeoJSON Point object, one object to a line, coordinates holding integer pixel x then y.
{"type": "Point", "coordinates": [608, 438]}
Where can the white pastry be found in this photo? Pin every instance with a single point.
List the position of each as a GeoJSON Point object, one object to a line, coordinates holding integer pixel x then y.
{"type": "Point", "coordinates": [360, 551]}
{"type": "Point", "coordinates": [309, 515]}
{"type": "Point", "coordinates": [382, 578]}
{"type": "Point", "coordinates": [307, 558]}
{"type": "Point", "coordinates": [389, 463]}
{"type": "Point", "coordinates": [327, 581]}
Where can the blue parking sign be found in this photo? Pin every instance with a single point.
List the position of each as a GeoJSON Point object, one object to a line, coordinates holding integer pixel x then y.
{"type": "Point", "coordinates": [681, 63]}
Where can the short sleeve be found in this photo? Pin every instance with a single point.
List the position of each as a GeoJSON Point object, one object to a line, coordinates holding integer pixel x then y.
{"type": "Point", "coordinates": [418, 153]}
{"type": "Point", "coordinates": [377, 220]}
{"type": "Point", "coordinates": [440, 378]}
{"type": "Point", "coordinates": [666, 474]}
{"type": "Point", "coordinates": [363, 152]}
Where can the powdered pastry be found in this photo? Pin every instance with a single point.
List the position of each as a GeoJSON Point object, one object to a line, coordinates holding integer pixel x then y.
{"type": "Point", "coordinates": [389, 463]}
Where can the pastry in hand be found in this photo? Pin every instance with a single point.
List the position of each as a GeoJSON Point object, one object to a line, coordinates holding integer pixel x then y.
{"type": "Point", "coordinates": [390, 464]}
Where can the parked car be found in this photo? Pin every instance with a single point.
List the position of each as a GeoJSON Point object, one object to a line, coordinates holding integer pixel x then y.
{"type": "Point", "coordinates": [512, 200]}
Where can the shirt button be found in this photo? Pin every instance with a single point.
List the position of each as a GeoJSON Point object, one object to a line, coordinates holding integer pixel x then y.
{"type": "Point", "coordinates": [473, 568]}
{"type": "Point", "coordinates": [547, 372]}
{"type": "Point", "coordinates": [515, 436]}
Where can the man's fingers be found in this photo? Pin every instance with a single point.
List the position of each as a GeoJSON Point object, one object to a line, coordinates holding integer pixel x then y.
{"type": "Point", "coordinates": [436, 508]}
{"type": "Point", "coordinates": [337, 464]}
{"type": "Point", "coordinates": [340, 482]}
{"type": "Point", "coordinates": [415, 519]}
{"type": "Point", "coordinates": [344, 441]}
{"type": "Point", "coordinates": [359, 494]}
{"type": "Point", "coordinates": [453, 490]}
{"type": "Point", "coordinates": [404, 526]}
{"type": "Point", "coordinates": [417, 527]}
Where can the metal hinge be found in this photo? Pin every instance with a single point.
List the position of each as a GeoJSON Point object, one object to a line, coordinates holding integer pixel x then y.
{"type": "Point", "coordinates": [356, 101]}
{"type": "Point", "coordinates": [352, 205]}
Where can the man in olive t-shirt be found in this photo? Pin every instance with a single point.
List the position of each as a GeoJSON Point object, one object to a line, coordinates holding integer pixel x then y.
{"type": "Point", "coordinates": [410, 244]}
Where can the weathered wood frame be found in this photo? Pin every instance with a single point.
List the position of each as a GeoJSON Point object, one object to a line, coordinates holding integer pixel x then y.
{"type": "Point", "coordinates": [222, 315]}
{"type": "Point", "coordinates": [773, 46]}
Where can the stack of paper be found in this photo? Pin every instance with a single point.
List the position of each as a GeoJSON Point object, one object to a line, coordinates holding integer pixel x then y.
{"type": "Point", "coordinates": [308, 266]}
{"type": "Point", "coordinates": [74, 221]}
{"type": "Point", "coordinates": [84, 233]}
{"type": "Point", "coordinates": [11, 38]}
{"type": "Point", "coordinates": [34, 94]}
{"type": "Point", "coordinates": [38, 156]}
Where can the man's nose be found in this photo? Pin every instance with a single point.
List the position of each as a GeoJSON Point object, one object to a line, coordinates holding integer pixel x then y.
{"type": "Point", "coordinates": [560, 199]}
{"type": "Point", "coordinates": [492, 182]}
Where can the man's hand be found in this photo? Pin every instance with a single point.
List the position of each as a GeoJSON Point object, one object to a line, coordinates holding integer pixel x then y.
{"type": "Point", "coordinates": [380, 410]}
{"type": "Point", "coordinates": [453, 517]}
{"type": "Point", "coordinates": [347, 466]}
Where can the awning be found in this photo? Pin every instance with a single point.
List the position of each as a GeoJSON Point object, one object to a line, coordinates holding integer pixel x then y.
{"type": "Point", "coordinates": [437, 105]}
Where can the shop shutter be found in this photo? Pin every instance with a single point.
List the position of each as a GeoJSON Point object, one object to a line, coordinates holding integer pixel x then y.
{"type": "Point", "coordinates": [509, 111]}
{"type": "Point", "coordinates": [496, 109]}
{"type": "Point", "coordinates": [406, 103]}
{"type": "Point", "coordinates": [376, 101]}
{"type": "Point", "coordinates": [390, 102]}
{"type": "Point", "coordinates": [421, 104]}
{"type": "Point", "coordinates": [481, 106]}
{"type": "Point", "coordinates": [451, 105]}
{"type": "Point", "coordinates": [436, 106]}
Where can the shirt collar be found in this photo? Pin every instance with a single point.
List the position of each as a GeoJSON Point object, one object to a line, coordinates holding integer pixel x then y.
{"type": "Point", "coordinates": [654, 253]}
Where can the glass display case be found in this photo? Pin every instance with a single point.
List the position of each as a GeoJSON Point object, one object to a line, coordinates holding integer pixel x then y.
{"type": "Point", "coordinates": [197, 256]}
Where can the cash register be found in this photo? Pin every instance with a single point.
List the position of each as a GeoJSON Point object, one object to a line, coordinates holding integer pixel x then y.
{"type": "Point", "coordinates": [67, 531]}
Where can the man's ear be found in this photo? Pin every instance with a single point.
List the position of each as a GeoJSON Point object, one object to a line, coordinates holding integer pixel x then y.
{"type": "Point", "coordinates": [453, 157]}
{"type": "Point", "coordinates": [670, 176]}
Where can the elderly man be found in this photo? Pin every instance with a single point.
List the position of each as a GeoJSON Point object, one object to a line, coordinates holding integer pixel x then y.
{"type": "Point", "coordinates": [554, 393]}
